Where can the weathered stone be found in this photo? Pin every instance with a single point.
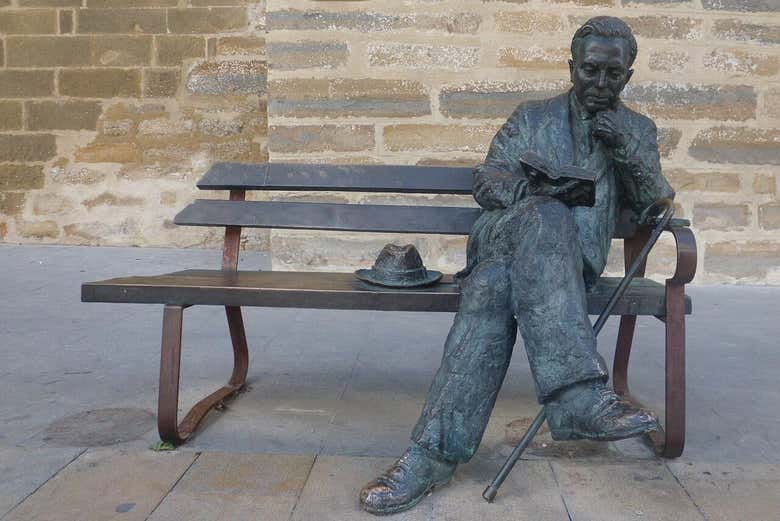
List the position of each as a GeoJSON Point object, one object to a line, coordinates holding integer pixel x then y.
{"type": "Point", "coordinates": [28, 21]}
{"type": "Point", "coordinates": [306, 54]}
{"type": "Point", "coordinates": [367, 21]}
{"type": "Point", "coordinates": [739, 61]}
{"type": "Point", "coordinates": [116, 128]}
{"type": "Point", "coordinates": [136, 3]}
{"type": "Point", "coordinates": [721, 216]}
{"type": "Point", "coordinates": [240, 150]}
{"type": "Point", "coordinates": [168, 198]}
{"type": "Point", "coordinates": [683, 101]}
{"type": "Point", "coordinates": [51, 204]}
{"type": "Point", "coordinates": [207, 20]}
{"type": "Point", "coordinates": [10, 115]}
{"type": "Point", "coordinates": [438, 138]}
{"type": "Point", "coordinates": [731, 29]}
{"type": "Point", "coordinates": [668, 60]}
{"type": "Point", "coordinates": [11, 203]}
{"type": "Point", "coordinates": [164, 127]}
{"type": "Point", "coordinates": [737, 145]}
{"type": "Point", "coordinates": [121, 51]}
{"type": "Point", "coordinates": [38, 229]}
{"type": "Point", "coordinates": [21, 177]}
{"type": "Point", "coordinates": [160, 83]}
{"type": "Point", "coordinates": [417, 56]}
{"type": "Point", "coordinates": [666, 27]}
{"type": "Point", "coordinates": [668, 139]}
{"type": "Point", "coordinates": [62, 115]}
{"type": "Point", "coordinates": [101, 232]}
{"type": "Point", "coordinates": [772, 103]}
{"type": "Point", "coordinates": [743, 260]}
{"type": "Point", "coordinates": [764, 184]}
{"type": "Point", "coordinates": [80, 175]}
{"type": "Point", "coordinates": [769, 216]}
{"type": "Point", "coordinates": [487, 99]}
{"type": "Point", "coordinates": [347, 97]}
{"type": "Point", "coordinates": [26, 84]}
{"type": "Point", "coordinates": [66, 21]}
{"type": "Point", "coordinates": [687, 181]}
{"type": "Point", "coordinates": [100, 83]}
{"type": "Point", "coordinates": [109, 153]}
{"type": "Point", "coordinates": [48, 51]}
{"type": "Point", "coordinates": [528, 22]}
{"type": "Point", "coordinates": [120, 20]}
{"type": "Point", "coordinates": [742, 5]}
{"type": "Point", "coordinates": [174, 49]}
{"type": "Point", "coordinates": [534, 57]}
{"type": "Point", "coordinates": [27, 147]}
{"type": "Point", "coordinates": [229, 125]}
{"type": "Point", "coordinates": [3, 234]}
{"type": "Point", "coordinates": [240, 46]}
{"type": "Point", "coordinates": [228, 77]}
{"type": "Point", "coordinates": [321, 138]}
{"type": "Point", "coordinates": [109, 199]}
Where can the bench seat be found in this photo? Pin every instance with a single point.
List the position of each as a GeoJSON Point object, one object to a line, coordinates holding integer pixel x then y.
{"type": "Point", "coordinates": [322, 290]}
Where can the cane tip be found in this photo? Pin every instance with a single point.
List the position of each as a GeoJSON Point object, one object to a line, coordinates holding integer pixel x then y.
{"type": "Point", "coordinates": [490, 493]}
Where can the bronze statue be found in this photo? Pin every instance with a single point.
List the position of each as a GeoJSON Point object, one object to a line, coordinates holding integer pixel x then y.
{"type": "Point", "coordinates": [532, 255]}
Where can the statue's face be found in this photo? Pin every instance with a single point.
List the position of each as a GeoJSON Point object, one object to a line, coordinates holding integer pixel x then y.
{"type": "Point", "coordinates": [599, 71]}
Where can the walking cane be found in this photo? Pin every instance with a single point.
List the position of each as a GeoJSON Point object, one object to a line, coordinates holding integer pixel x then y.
{"type": "Point", "coordinates": [668, 206]}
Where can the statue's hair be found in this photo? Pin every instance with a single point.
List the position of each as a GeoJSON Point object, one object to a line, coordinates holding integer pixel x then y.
{"type": "Point", "coordinates": [607, 26]}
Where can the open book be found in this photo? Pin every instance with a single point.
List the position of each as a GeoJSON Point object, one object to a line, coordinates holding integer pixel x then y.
{"type": "Point", "coordinates": [539, 171]}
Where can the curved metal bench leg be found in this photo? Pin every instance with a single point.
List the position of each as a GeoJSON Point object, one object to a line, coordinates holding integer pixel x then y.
{"type": "Point", "coordinates": [170, 362]}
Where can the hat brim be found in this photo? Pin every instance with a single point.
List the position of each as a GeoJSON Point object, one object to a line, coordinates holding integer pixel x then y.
{"type": "Point", "coordinates": [372, 277]}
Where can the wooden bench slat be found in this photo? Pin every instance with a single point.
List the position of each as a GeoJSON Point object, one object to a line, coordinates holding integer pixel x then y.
{"type": "Point", "coordinates": [320, 290]}
{"type": "Point", "coordinates": [329, 216]}
{"type": "Point", "coordinates": [341, 178]}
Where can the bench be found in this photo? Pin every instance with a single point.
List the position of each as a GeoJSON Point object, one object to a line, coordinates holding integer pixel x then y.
{"type": "Point", "coordinates": [234, 289]}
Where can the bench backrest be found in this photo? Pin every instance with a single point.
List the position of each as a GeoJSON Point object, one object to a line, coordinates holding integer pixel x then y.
{"type": "Point", "coordinates": [238, 178]}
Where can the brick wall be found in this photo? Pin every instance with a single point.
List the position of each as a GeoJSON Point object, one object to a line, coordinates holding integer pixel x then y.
{"type": "Point", "coordinates": [427, 82]}
{"type": "Point", "coordinates": [110, 109]}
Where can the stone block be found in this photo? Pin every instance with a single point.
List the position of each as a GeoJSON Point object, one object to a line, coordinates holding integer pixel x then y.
{"type": "Point", "coordinates": [687, 181]}
{"type": "Point", "coordinates": [160, 83]}
{"type": "Point", "coordinates": [26, 84]}
{"type": "Point", "coordinates": [742, 5]}
{"type": "Point", "coordinates": [66, 21]}
{"type": "Point", "coordinates": [668, 60]}
{"type": "Point", "coordinates": [121, 51]}
{"type": "Point", "coordinates": [752, 260]}
{"type": "Point", "coordinates": [721, 216]}
{"type": "Point", "coordinates": [747, 145]}
{"type": "Point", "coordinates": [49, 3]}
{"type": "Point", "coordinates": [121, 20]}
{"type": "Point", "coordinates": [321, 138]}
{"type": "Point", "coordinates": [51, 204]}
{"type": "Point", "coordinates": [109, 199]}
{"type": "Point", "coordinates": [109, 153]}
{"type": "Point", "coordinates": [11, 203]}
{"type": "Point", "coordinates": [228, 77]}
{"type": "Point", "coordinates": [764, 184]}
{"type": "Point", "coordinates": [348, 97]}
{"type": "Point", "coordinates": [740, 61]}
{"type": "Point", "coordinates": [164, 127]}
{"type": "Point", "coordinates": [418, 56]}
{"type": "Point", "coordinates": [174, 49]}
{"type": "Point", "coordinates": [534, 57]}
{"type": "Point", "coordinates": [744, 31]}
{"type": "Point", "coordinates": [28, 21]}
{"type": "Point", "coordinates": [488, 99]}
{"type": "Point", "coordinates": [27, 147]}
{"type": "Point", "coordinates": [668, 139]}
{"type": "Point", "coordinates": [37, 230]}
{"type": "Point", "coordinates": [769, 216]}
{"type": "Point", "coordinates": [772, 103]}
{"type": "Point", "coordinates": [10, 115]}
{"type": "Point", "coordinates": [369, 21]}
{"type": "Point", "coordinates": [528, 22]}
{"type": "Point", "coordinates": [207, 20]}
{"type": "Point", "coordinates": [307, 54]}
{"type": "Point", "coordinates": [115, 128]}
{"type": "Point", "coordinates": [438, 138]}
{"type": "Point", "coordinates": [134, 3]}
{"type": "Point", "coordinates": [683, 101]}
{"type": "Point", "coordinates": [21, 177]}
{"type": "Point", "coordinates": [662, 27]}
{"type": "Point", "coordinates": [48, 51]}
{"type": "Point", "coordinates": [62, 115]}
{"type": "Point", "coordinates": [240, 45]}
{"type": "Point", "coordinates": [100, 83]}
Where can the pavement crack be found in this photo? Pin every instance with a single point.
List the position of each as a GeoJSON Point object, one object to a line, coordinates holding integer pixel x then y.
{"type": "Point", "coordinates": [305, 481]}
{"type": "Point", "coordinates": [151, 513]}
{"type": "Point", "coordinates": [560, 492]}
{"type": "Point", "coordinates": [698, 508]}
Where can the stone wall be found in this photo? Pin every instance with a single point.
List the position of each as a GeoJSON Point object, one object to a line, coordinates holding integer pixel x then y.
{"type": "Point", "coordinates": [111, 109]}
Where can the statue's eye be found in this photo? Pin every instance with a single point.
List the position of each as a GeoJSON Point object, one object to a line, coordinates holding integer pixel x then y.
{"type": "Point", "coordinates": [590, 70]}
{"type": "Point", "coordinates": [615, 74]}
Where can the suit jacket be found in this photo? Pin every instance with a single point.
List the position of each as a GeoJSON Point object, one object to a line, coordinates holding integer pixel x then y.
{"type": "Point", "coordinates": [559, 130]}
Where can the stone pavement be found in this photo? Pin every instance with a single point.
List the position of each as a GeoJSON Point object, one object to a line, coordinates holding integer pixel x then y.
{"type": "Point", "coordinates": [331, 400]}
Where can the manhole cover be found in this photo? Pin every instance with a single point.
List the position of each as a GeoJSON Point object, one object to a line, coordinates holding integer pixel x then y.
{"type": "Point", "coordinates": [100, 427]}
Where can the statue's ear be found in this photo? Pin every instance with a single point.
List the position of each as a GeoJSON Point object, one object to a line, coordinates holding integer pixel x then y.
{"type": "Point", "coordinates": [629, 74]}
{"type": "Point", "coordinates": [571, 70]}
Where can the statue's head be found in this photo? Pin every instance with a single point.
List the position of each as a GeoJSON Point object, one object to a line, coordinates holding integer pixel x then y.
{"type": "Point", "coordinates": [602, 52]}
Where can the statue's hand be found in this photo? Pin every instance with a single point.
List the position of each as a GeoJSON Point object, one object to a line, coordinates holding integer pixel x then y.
{"type": "Point", "coordinates": [609, 128]}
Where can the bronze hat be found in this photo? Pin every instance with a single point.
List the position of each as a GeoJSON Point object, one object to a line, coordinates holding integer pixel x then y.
{"type": "Point", "coordinates": [399, 267]}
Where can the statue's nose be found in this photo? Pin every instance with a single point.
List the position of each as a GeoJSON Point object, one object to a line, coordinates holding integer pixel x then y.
{"type": "Point", "coordinates": [602, 79]}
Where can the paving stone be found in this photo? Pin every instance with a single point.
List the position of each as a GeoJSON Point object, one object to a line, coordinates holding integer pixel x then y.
{"type": "Point", "coordinates": [25, 469]}
{"type": "Point", "coordinates": [106, 484]}
{"type": "Point", "coordinates": [228, 487]}
{"type": "Point", "coordinates": [640, 490]}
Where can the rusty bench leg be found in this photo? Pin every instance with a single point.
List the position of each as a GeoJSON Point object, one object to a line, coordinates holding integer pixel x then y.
{"type": "Point", "coordinates": [170, 362]}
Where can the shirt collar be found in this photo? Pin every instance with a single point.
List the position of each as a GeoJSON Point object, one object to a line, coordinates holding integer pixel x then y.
{"type": "Point", "coordinates": [577, 109]}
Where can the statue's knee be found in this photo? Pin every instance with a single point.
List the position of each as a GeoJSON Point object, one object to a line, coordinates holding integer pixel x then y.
{"type": "Point", "coordinates": [551, 215]}
{"type": "Point", "coordinates": [486, 286]}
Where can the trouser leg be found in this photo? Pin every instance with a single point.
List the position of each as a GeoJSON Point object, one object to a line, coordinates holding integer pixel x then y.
{"type": "Point", "coordinates": [476, 357]}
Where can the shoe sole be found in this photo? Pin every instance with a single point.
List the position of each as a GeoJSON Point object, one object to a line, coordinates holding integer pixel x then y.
{"type": "Point", "coordinates": [569, 435]}
{"type": "Point", "coordinates": [406, 506]}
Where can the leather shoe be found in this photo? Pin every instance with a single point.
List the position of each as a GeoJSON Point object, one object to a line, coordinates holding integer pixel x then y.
{"type": "Point", "coordinates": [405, 483]}
{"type": "Point", "coordinates": [591, 410]}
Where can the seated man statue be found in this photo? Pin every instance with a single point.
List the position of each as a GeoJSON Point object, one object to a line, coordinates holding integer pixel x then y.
{"type": "Point", "coordinates": [532, 255]}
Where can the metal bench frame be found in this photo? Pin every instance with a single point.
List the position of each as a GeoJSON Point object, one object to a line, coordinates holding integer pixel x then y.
{"type": "Point", "coordinates": [179, 290]}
